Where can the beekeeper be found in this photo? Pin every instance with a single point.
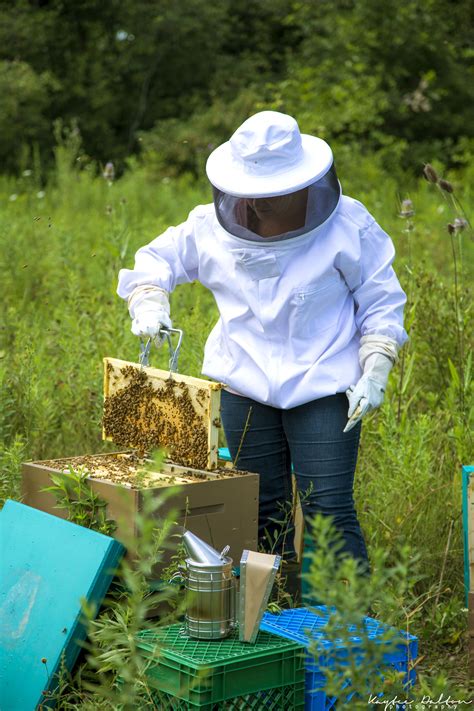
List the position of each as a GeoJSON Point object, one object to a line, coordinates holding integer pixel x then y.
{"type": "Point", "coordinates": [310, 314]}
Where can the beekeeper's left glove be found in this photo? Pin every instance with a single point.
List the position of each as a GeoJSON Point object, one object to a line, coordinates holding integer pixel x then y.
{"type": "Point", "coordinates": [377, 356]}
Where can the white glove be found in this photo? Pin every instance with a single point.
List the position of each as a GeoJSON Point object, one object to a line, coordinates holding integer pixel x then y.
{"type": "Point", "coordinates": [149, 308]}
{"type": "Point", "coordinates": [377, 356]}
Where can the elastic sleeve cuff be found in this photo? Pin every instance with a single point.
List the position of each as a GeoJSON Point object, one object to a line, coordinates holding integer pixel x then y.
{"type": "Point", "coordinates": [369, 345]}
{"type": "Point", "coordinates": [154, 295]}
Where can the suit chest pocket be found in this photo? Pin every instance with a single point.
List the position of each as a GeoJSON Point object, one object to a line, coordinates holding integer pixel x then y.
{"type": "Point", "coordinates": [315, 308]}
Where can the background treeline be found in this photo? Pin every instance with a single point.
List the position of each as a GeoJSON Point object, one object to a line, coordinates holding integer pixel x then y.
{"type": "Point", "coordinates": [173, 78]}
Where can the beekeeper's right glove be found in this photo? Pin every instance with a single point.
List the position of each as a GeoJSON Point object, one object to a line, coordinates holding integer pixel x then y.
{"type": "Point", "coordinates": [149, 308]}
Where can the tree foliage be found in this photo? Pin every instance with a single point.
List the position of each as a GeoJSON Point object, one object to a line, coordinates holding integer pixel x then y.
{"type": "Point", "coordinates": [158, 74]}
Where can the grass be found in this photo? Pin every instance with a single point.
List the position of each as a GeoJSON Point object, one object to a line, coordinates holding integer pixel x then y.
{"type": "Point", "coordinates": [62, 247]}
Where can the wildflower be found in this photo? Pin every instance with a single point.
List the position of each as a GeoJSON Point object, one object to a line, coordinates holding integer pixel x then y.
{"type": "Point", "coordinates": [417, 99]}
{"type": "Point", "coordinates": [430, 173]}
{"type": "Point", "coordinates": [13, 197]}
{"type": "Point", "coordinates": [40, 195]}
{"type": "Point", "coordinates": [457, 225]}
{"type": "Point", "coordinates": [407, 209]}
{"type": "Point", "coordinates": [26, 173]}
{"type": "Point", "coordinates": [109, 172]}
{"type": "Point", "coordinates": [460, 223]}
{"type": "Point", "coordinates": [445, 185]}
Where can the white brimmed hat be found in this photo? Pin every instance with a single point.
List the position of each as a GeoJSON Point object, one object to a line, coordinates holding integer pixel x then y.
{"type": "Point", "coordinates": [268, 156]}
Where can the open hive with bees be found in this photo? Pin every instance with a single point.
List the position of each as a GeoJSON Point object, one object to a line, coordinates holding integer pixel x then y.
{"type": "Point", "coordinates": [146, 409]}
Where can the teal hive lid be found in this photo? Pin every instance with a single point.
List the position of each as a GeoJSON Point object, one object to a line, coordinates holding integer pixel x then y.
{"type": "Point", "coordinates": [46, 566]}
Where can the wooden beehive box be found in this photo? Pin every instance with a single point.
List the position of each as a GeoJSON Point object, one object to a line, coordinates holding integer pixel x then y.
{"type": "Point", "coordinates": [470, 626]}
{"type": "Point", "coordinates": [468, 539]}
{"type": "Point", "coordinates": [220, 506]}
{"type": "Point", "coordinates": [470, 530]}
{"type": "Point", "coordinates": [468, 527]}
{"type": "Point", "coordinates": [146, 408]}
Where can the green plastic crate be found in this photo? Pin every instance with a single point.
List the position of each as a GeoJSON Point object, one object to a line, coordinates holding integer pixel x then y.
{"type": "Point", "coordinates": [224, 674]}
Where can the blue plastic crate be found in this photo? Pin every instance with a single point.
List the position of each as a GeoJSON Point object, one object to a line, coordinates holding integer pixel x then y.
{"type": "Point", "coordinates": [301, 624]}
{"type": "Point", "coordinates": [316, 698]}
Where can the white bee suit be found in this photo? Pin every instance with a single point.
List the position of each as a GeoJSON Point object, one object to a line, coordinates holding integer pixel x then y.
{"type": "Point", "coordinates": [292, 312]}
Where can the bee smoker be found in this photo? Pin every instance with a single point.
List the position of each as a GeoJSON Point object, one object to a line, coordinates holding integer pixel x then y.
{"type": "Point", "coordinates": [210, 590]}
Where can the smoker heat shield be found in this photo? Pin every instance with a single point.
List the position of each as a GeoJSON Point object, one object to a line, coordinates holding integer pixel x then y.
{"type": "Point", "coordinates": [257, 575]}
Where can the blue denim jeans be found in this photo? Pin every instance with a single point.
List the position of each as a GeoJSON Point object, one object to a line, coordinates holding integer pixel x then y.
{"type": "Point", "coordinates": [324, 460]}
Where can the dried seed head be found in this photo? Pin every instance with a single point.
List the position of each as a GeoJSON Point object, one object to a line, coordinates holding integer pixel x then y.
{"type": "Point", "coordinates": [451, 229]}
{"type": "Point", "coordinates": [430, 173]}
{"type": "Point", "coordinates": [445, 185]}
{"type": "Point", "coordinates": [407, 209]}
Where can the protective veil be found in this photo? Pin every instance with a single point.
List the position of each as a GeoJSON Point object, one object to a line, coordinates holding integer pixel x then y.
{"type": "Point", "coordinates": [262, 219]}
